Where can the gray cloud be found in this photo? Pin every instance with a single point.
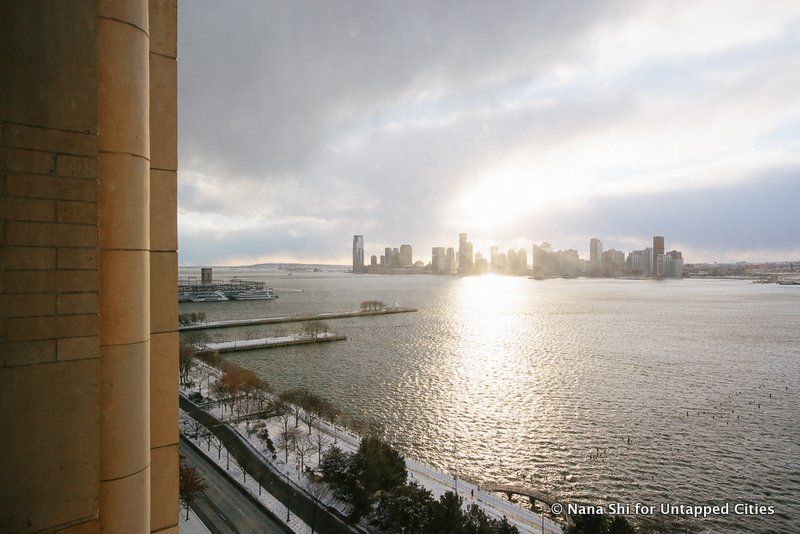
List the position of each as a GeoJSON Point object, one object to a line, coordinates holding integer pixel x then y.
{"type": "Point", "coordinates": [302, 123]}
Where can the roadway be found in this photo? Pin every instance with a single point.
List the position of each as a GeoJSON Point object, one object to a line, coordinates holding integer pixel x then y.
{"type": "Point", "coordinates": [224, 508]}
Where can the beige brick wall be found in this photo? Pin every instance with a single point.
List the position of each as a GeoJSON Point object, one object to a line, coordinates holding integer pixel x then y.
{"type": "Point", "coordinates": [88, 187]}
{"type": "Point", "coordinates": [49, 321]}
{"type": "Point", "coordinates": [163, 264]}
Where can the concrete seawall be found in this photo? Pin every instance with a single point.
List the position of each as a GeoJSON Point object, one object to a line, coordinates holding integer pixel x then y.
{"type": "Point", "coordinates": [292, 319]}
{"type": "Point", "coordinates": [268, 343]}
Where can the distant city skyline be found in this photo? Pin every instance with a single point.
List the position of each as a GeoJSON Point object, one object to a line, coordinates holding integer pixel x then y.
{"type": "Point", "coordinates": [605, 119]}
{"type": "Point", "coordinates": [546, 261]}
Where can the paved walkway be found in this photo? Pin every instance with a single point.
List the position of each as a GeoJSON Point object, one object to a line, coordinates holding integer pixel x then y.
{"type": "Point", "coordinates": [225, 508]}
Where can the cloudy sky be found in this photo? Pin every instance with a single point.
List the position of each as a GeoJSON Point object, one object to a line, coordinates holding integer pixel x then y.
{"type": "Point", "coordinates": [303, 123]}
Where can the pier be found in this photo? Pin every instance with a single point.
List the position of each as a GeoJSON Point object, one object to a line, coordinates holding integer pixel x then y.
{"type": "Point", "coordinates": [268, 342]}
{"type": "Point", "coordinates": [510, 490]}
{"type": "Point", "coordinates": [292, 319]}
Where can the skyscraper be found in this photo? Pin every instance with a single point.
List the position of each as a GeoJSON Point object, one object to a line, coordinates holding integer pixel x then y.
{"type": "Point", "coordinates": [438, 260]}
{"type": "Point", "coordinates": [450, 261]}
{"type": "Point", "coordinates": [406, 258]}
{"type": "Point", "coordinates": [462, 251]}
{"type": "Point", "coordinates": [522, 258]}
{"type": "Point", "coordinates": [596, 255]}
{"type": "Point", "coordinates": [358, 254]}
{"type": "Point", "coordinates": [511, 261]}
{"type": "Point", "coordinates": [648, 262]}
{"type": "Point", "coordinates": [658, 251]}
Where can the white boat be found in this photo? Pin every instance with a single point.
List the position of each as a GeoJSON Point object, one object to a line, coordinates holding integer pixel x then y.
{"type": "Point", "coordinates": [256, 294]}
{"type": "Point", "coordinates": [208, 296]}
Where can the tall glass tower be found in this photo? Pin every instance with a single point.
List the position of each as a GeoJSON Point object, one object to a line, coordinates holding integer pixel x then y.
{"type": "Point", "coordinates": [358, 254]}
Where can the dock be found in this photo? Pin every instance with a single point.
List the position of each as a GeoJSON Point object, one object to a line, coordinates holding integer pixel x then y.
{"type": "Point", "coordinates": [292, 319]}
{"type": "Point", "coordinates": [268, 342]}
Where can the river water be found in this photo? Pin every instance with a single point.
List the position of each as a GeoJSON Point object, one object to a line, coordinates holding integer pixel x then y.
{"type": "Point", "coordinates": [601, 391]}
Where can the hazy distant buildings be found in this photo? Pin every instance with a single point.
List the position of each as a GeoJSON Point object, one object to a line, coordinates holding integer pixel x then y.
{"type": "Point", "coordinates": [568, 262]}
{"type": "Point", "coordinates": [522, 259]}
{"type": "Point", "coordinates": [358, 254]}
{"type": "Point", "coordinates": [392, 256]}
{"type": "Point", "coordinates": [438, 260]}
{"type": "Point", "coordinates": [658, 252]}
{"type": "Point", "coordinates": [406, 259]}
{"type": "Point", "coordinates": [544, 261]}
{"type": "Point", "coordinates": [465, 255]}
{"type": "Point", "coordinates": [650, 262]}
{"type": "Point", "coordinates": [613, 263]}
{"type": "Point", "coordinates": [634, 264]}
{"type": "Point", "coordinates": [596, 255]}
{"type": "Point", "coordinates": [481, 265]}
{"type": "Point", "coordinates": [512, 265]}
{"type": "Point", "coordinates": [674, 264]}
{"type": "Point", "coordinates": [450, 264]}
{"type": "Point", "coordinates": [393, 260]}
{"type": "Point", "coordinates": [648, 269]}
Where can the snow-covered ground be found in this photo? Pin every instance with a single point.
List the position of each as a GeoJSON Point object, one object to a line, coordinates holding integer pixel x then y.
{"type": "Point", "coordinates": [292, 465]}
{"type": "Point", "coordinates": [265, 341]}
{"type": "Point", "coordinates": [272, 504]}
{"type": "Point", "coordinates": [193, 525]}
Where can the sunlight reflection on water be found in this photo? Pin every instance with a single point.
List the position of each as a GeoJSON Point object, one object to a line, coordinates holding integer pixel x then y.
{"type": "Point", "coordinates": [542, 382]}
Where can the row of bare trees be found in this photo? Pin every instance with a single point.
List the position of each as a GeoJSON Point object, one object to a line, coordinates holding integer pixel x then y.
{"type": "Point", "coordinates": [373, 305]}
{"type": "Point", "coordinates": [314, 328]}
{"type": "Point", "coordinates": [185, 319]}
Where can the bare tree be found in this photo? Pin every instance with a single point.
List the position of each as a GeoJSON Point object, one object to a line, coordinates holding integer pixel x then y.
{"type": "Point", "coordinates": [207, 436]}
{"type": "Point", "coordinates": [283, 412]}
{"type": "Point", "coordinates": [311, 418]}
{"type": "Point", "coordinates": [186, 355]}
{"type": "Point", "coordinates": [319, 440]}
{"type": "Point", "coordinates": [196, 426]}
{"type": "Point", "coordinates": [287, 441]}
{"type": "Point", "coordinates": [372, 305]}
{"type": "Point", "coordinates": [219, 446]}
{"type": "Point", "coordinates": [297, 412]}
{"type": "Point", "coordinates": [191, 486]}
{"type": "Point", "coordinates": [303, 447]}
{"type": "Point", "coordinates": [314, 328]}
{"type": "Point", "coordinates": [219, 392]}
{"type": "Point", "coordinates": [242, 468]}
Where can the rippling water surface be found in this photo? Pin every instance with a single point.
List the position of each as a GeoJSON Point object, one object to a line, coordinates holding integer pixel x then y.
{"type": "Point", "coordinates": [514, 380]}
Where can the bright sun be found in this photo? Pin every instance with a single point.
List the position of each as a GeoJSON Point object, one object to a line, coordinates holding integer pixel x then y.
{"type": "Point", "coordinates": [511, 191]}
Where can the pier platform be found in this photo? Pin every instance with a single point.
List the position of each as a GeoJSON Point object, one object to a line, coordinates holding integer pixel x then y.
{"type": "Point", "coordinates": [292, 319]}
{"type": "Point", "coordinates": [269, 342]}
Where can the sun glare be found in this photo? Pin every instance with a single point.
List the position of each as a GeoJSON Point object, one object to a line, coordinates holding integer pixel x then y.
{"type": "Point", "coordinates": [512, 190]}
